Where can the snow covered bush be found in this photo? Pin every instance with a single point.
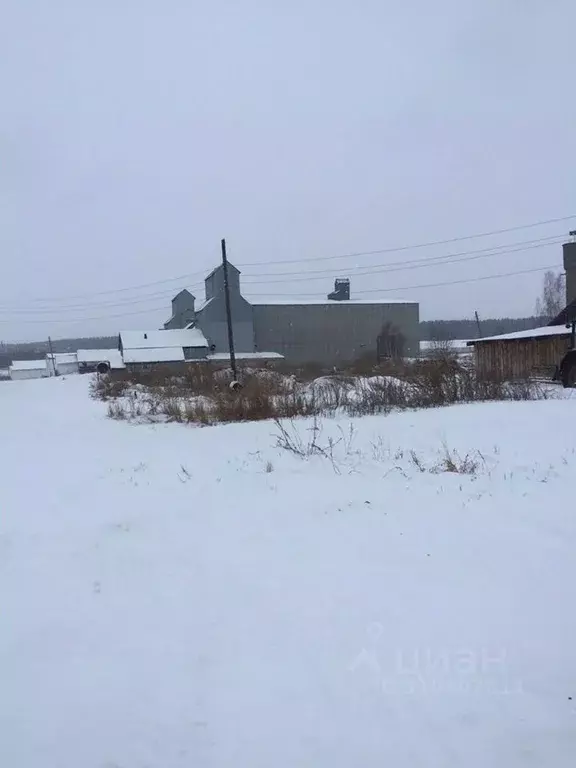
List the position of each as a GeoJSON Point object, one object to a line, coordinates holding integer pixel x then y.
{"type": "Point", "coordinates": [198, 393]}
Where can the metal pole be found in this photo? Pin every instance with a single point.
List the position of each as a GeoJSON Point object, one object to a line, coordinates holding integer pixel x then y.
{"type": "Point", "coordinates": [52, 358]}
{"type": "Point", "coordinates": [478, 324]}
{"type": "Point", "coordinates": [228, 312]}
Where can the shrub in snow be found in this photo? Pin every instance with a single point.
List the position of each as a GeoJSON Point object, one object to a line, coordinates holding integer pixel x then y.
{"type": "Point", "coordinates": [198, 393]}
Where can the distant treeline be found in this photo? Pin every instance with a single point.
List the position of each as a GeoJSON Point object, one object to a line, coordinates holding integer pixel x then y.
{"type": "Point", "coordinates": [441, 330]}
{"type": "Point", "coordinates": [36, 350]}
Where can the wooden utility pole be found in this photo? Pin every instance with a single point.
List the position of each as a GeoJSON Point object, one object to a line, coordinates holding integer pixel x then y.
{"type": "Point", "coordinates": [228, 312]}
{"type": "Point", "coordinates": [478, 324]}
{"type": "Point", "coordinates": [52, 358]}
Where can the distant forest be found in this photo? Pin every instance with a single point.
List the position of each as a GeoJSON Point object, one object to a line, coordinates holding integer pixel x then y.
{"type": "Point", "coordinates": [37, 350]}
{"type": "Point", "coordinates": [430, 330]}
{"type": "Point", "coordinates": [442, 330]}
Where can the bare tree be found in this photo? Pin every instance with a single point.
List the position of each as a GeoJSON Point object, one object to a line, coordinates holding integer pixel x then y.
{"type": "Point", "coordinates": [553, 298]}
{"type": "Point", "coordinates": [442, 349]}
{"type": "Point", "coordinates": [390, 343]}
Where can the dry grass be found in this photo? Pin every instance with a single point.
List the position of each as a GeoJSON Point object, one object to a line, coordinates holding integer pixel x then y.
{"type": "Point", "coordinates": [116, 411]}
{"type": "Point", "coordinates": [200, 394]}
{"type": "Point", "coordinates": [452, 462]}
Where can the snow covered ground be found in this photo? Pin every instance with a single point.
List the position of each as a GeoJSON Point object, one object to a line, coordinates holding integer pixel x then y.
{"type": "Point", "coordinates": [176, 596]}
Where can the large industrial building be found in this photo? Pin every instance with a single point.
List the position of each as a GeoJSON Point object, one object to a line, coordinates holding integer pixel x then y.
{"type": "Point", "coordinates": [332, 331]}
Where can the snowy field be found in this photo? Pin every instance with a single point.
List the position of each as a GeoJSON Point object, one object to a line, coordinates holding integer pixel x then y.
{"type": "Point", "coordinates": [175, 596]}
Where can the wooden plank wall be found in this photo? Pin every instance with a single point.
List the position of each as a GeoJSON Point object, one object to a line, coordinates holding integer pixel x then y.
{"type": "Point", "coordinates": [520, 358]}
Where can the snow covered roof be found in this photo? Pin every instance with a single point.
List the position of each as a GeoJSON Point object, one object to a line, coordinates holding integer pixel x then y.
{"type": "Point", "coordinates": [247, 356]}
{"type": "Point", "coordinates": [111, 356]}
{"type": "Point", "coordinates": [154, 355]}
{"type": "Point", "coordinates": [28, 365]}
{"type": "Point", "coordinates": [323, 302]}
{"type": "Point", "coordinates": [181, 337]}
{"type": "Point", "coordinates": [533, 333]}
{"type": "Point", "coordinates": [449, 343]}
{"type": "Point", "coordinates": [63, 357]}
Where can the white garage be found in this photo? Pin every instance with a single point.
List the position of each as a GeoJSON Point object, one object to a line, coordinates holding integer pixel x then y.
{"type": "Point", "coordinates": [28, 369]}
{"type": "Point", "coordinates": [62, 363]}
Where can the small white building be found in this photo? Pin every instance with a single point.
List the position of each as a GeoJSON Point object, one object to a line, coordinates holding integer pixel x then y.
{"type": "Point", "coordinates": [147, 348]}
{"type": "Point", "coordinates": [28, 369]}
{"type": "Point", "coordinates": [62, 363]}
{"type": "Point", "coordinates": [91, 360]}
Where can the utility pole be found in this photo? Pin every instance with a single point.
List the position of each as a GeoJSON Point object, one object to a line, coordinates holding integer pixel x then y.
{"type": "Point", "coordinates": [228, 312]}
{"type": "Point", "coordinates": [478, 324]}
{"type": "Point", "coordinates": [52, 358]}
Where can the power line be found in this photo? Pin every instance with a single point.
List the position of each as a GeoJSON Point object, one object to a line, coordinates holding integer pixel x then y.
{"type": "Point", "coordinates": [103, 305]}
{"type": "Point", "coordinates": [180, 278]}
{"type": "Point", "coordinates": [292, 295]}
{"type": "Point", "coordinates": [435, 261]}
{"type": "Point", "coordinates": [552, 239]}
{"type": "Point", "coordinates": [416, 245]}
{"type": "Point", "coordinates": [397, 249]}
{"type": "Point", "coordinates": [76, 320]}
{"type": "Point", "coordinates": [429, 285]}
{"type": "Point", "coordinates": [446, 259]}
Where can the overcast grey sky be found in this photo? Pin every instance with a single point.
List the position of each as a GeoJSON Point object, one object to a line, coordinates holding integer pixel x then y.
{"type": "Point", "coordinates": [137, 133]}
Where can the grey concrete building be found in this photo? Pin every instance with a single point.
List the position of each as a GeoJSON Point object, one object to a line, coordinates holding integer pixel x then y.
{"type": "Point", "coordinates": [211, 316]}
{"type": "Point", "coordinates": [182, 311]}
{"type": "Point", "coordinates": [332, 331]}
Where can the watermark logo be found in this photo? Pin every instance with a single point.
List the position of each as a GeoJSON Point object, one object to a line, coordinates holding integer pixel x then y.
{"type": "Point", "coordinates": [434, 671]}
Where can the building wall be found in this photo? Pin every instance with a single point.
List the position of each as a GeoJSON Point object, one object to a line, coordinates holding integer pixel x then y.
{"type": "Point", "coordinates": [36, 373]}
{"type": "Point", "coordinates": [180, 320]}
{"type": "Point", "coordinates": [214, 283]}
{"type": "Point", "coordinates": [176, 368]}
{"type": "Point", "coordinates": [182, 311]}
{"type": "Point", "coordinates": [65, 368]}
{"type": "Point", "coordinates": [195, 353]}
{"type": "Point", "coordinates": [212, 318]}
{"type": "Point", "coordinates": [62, 369]}
{"type": "Point", "coordinates": [332, 333]}
{"type": "Point", "coordinates": [520, 358]}
{"type": "Point", "coordinates": [212, 322]}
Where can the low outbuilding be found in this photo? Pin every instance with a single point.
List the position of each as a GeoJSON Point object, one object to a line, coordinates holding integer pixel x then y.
{"type": "Point", "coordinates": [61, 363]}
{"type": "Point", "coordinates": [144, 349]}
{"type": "Point", "coordinates": [520, 355]}
{"type": "Point", "coordinates": [28, 369]}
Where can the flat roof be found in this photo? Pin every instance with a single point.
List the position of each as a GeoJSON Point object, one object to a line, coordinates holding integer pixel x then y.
{"type": "Point", "coordinates": [63, 357]}
{"type": "Point", "coordinates": [28, 365]}
{"type": "Point", "coordinates": [323, 302]}
{"type": "Point", "coordinates": [178, 337]}
{"type": "Point", "coordinates": [532, 333]}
